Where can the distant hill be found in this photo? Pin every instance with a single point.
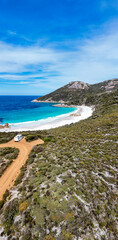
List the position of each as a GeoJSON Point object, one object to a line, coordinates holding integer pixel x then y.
{"type": "Point", "coordinates": [80, 93]}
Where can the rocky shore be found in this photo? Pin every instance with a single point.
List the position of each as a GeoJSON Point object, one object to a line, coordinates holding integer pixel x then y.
{"type": "Point", "coordinates": [61, 103]}
{"type": "Point", "coordinates": [6, 125]}
{"type": "Point", "coordinates": [64, 105]}
{"type": "Point", "coordinates": [49, 101]}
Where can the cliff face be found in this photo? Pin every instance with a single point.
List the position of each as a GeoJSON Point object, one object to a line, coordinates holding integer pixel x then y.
{"type": "Point", "coordinates": [80, 92]}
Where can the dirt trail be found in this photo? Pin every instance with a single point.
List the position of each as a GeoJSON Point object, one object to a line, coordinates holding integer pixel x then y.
{"type": "Point", "coordinates": [12, 172]}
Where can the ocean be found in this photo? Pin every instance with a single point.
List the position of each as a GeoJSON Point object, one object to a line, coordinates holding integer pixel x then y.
{"type": "Point", "coordinates": [19, 109]}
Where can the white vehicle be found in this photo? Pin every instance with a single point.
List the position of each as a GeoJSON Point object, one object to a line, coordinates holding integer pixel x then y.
{"type": "Point", "coordinates": [18, 138]}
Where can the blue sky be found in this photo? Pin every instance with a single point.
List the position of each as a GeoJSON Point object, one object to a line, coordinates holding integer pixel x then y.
{"type": "Point", "coordinates": [44, 44]}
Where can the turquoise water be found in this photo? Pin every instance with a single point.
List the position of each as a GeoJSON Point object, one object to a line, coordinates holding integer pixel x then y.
{"type": "Point", "coordinates": [16, 109]}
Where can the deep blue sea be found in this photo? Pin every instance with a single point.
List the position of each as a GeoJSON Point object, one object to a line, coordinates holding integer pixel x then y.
{"type": "Point", "coordinates": [16, 109]}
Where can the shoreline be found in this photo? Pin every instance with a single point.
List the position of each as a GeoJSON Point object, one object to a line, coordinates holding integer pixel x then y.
{"type": "Point", "coordinates": [50, 101]}
{"type": "Point", "coordinates": [81, 113]}
{"type": "Point", "coordinates": [64, 105]}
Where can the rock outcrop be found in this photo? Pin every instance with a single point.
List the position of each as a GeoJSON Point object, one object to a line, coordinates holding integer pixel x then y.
{"type": "Point", "coordinates": [79, 85]}
{"type": "Point", "coordinates": [6, 125]}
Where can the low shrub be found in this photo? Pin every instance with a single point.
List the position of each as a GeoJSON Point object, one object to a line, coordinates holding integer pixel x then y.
{"type": "Point", "coordinates": [23, 206]}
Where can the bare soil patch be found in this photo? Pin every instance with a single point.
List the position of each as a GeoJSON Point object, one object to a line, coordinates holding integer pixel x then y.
{"type": "Point", "coordinates": [12, 172]}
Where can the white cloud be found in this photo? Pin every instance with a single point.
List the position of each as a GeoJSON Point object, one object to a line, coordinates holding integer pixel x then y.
{"type": "Point", "coordinates": [17, 59]}
{"type": "Point", "coordinates": [93, 61]}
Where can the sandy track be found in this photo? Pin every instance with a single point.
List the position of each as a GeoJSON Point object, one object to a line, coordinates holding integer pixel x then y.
{"type": "Point", "coordinates": [12, 172]}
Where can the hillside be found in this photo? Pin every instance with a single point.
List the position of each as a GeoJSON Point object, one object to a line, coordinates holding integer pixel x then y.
{"type": "Point", "coordinates": [67, 190]}
{"type": "Point", "coordinates": [80, 93]}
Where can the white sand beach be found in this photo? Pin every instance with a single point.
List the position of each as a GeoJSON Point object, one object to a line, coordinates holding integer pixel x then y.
{"type": "Point", "coordinates": [81, 113]}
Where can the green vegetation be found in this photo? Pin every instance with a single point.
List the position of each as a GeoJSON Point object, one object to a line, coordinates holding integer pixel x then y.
{"type": "Point", "coordinates": [2, 202]}
{"type": "Point", "coordinates": [6, 137]}
{"type": "Point", "coordinates": [31, 136]}
{"type": "Point", "coordinates": [9, 214]}
{"type": "Point", "coordinates": [68, 187]}
{"type": "Point", "coordinates": [6, 157]}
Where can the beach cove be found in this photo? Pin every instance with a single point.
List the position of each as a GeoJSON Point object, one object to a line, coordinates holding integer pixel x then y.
{"type": "Point", "coordinates": [81, 113]}
{"type": "Point", "coordinates": [23, 113]}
